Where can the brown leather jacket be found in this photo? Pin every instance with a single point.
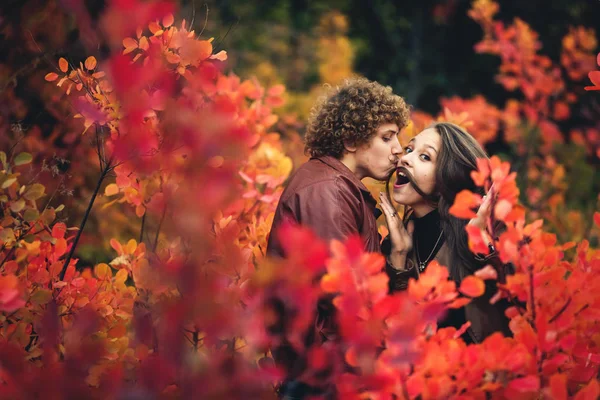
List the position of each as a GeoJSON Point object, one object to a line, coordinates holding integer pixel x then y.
{"type": "Point", "coordinates": [485, 318]}
{"type": "Point", "coordinates": [326, 196]}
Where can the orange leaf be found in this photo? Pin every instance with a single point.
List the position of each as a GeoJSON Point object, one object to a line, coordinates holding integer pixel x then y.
{"type": "Point", "coordinates": [590, 392]}
{"type": "Point", "coordinates": [130, 45]}
{"type": "Point", "coordinates": [472, 286]}
{"type": "Point", "coordinates": [90, 63]}
{"type": "Point", "coordinates": [117, 331]}
{"type": "Point", "coordinates": [51, 77]}
{"type": "Point", "coordinates": [558, 387]}
{"type": "Point", "coordinates": [111, 189]}
{"type": "Point", "coordinates": [60, 247]}
{"type": "Point", "coordinates": [464, 202]}
{"type": "Point", "coordinates": [63, 65]}
{"type": "Point", "coordinates": [168, 20]}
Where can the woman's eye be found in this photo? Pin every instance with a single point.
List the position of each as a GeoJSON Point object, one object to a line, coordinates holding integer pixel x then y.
{"type": "Point", "coordinates": [387, 139]}
{"type": "Point", "coordinates": [408, 150]}
{"type": "Point", "coordinates": [425, 157]}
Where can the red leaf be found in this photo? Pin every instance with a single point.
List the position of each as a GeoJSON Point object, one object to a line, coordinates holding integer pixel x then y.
{"type": "Point", "coordinates": [529, 383]}
{"type": "Point", "coordinates": [597, 219]}
{"type": "Point", "coordinates": [59, 230]}
{"type": "Point", "coordinates": [476, 242]}
{"type": "Point", "coordinates": [595, 78]}
{"type": "Point", "coordinates": [472, 286]}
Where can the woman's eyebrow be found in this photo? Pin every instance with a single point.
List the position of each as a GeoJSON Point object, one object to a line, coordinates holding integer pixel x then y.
{"type": "Point", "coordinates": [431, 147]}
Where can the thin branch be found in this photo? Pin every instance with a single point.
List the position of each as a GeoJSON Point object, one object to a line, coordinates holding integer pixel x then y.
{"type": "Point", "coordinates": [142, 228]}
{"type": "Point", "coordinates": [162, 218]}
{"type": "Point", "coordinates": [85, 217]}
{"type": "Point", "coordinates": [562, 310]}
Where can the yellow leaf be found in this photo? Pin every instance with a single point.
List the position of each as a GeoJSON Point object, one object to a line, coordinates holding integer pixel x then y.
{"type": "Point", "coordinates": [63, 65]}
{"type": "Point", "coordinates": [34, 191]}
{"type": "Point", "coordinates": [102, 271]}
{"type": "Point", "coordinates": [111, 189]}
{"type": "Point", "coordinates": [131, 246]}
{"type": "Point", "coordinates": [121, 276]}
{"type": "Point", "coordinates": [90, 63]}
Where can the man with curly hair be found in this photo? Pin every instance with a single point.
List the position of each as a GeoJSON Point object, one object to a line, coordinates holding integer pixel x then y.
{"type": "Point", "coordinates": [351, 135]}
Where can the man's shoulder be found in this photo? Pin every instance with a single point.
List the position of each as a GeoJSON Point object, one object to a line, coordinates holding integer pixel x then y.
{"type": "Point", "coordinates": [316, 175]}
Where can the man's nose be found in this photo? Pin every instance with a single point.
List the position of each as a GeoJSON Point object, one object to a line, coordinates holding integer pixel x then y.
{"type": "Point", "coordinates": [396, 147]}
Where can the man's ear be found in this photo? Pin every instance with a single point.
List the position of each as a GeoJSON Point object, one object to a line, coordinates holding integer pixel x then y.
{"type": "Point", "coordinates": [350, 148]}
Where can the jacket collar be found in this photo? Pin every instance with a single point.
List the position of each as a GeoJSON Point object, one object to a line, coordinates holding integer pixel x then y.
{"type": "Point", "coordinates": [342, 169]}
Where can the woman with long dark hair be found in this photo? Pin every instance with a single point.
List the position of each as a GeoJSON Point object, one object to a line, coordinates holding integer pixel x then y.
{"type": "Point", "coordinates": [435, 166]}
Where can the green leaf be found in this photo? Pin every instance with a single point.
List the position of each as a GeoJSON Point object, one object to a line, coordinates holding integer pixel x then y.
{"type": "Point", "coordinates": [41, 296]}
{"type": "Point", "coordinates": [3, 159]}
{"type": "Point", "coordinates": [34, 191]}
{"type": "Point", "coordinates": [8, 182]}
{"type": "Point", "coordinates": [23, 158]}
{"type": "Point", "coordinates": [60, 208]}
{"type": "Point", "coordinates": [31, 214]}
{"type": "Point", "coordinates": [18, 205]}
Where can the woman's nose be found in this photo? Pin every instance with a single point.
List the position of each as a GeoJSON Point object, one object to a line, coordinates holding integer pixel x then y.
{"type": "Point", "coordinates": [404, 160]}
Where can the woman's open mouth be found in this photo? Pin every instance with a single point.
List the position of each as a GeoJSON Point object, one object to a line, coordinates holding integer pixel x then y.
{"type": "Point", "coordinates": [401, 177]}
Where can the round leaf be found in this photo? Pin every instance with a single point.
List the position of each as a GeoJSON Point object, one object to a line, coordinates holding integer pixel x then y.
{"type": "Point", "coordinates": [31, 214]}
{"type": "Point", "coordinates": [63, 65]}
{"type": "Point", "coordinates": [111, 189]}
{"type": "Point", "coordinates": [18, 205]}
{"type": "Point", "coordinates": [8, 182]}
{"type": "Point", "coordinates": [90, 63]}
{"type": "Point", "coordinates": [51, 77]}
{"type": "Point", "coordinates": [472, 286]}
{"type": "Point", "coordinates": [34, 191]}
{"type": "Point", "coordinates": [23, 158]}
{"type": "Point", "coordinates": [40, 297]}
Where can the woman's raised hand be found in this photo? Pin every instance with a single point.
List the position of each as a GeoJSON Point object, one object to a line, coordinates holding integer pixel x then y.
{"type": "Point", "coordinates": [401, 237]}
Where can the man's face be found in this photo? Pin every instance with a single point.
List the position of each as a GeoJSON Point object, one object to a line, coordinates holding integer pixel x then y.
{"type": "Point", "coordinates": [377, 158]}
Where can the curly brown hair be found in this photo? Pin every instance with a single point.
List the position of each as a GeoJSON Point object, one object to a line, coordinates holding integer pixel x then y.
{"type": "Point", "coordinates": [351, 114]}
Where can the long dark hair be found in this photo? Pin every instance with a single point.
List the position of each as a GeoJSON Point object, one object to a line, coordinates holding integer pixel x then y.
{"type": "Point", "coordinates": [457, 159]}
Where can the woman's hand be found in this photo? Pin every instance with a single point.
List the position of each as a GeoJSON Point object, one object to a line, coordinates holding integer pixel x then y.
{"type": "Point", "coordinates": [400, 237]}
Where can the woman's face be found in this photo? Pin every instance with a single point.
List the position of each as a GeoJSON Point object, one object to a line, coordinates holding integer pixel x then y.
{"type": "Point", "coordinates": [418, 159]}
